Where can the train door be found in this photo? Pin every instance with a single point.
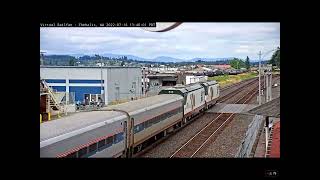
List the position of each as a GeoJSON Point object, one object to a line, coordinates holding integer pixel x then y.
{"type": "Point", "coordinates": [125, 137]}
{"type": "Point", "coordinates": [192, 100]}
{"type": "Point", "coordinates": [211, 93]}
{"type": "Point", "coordinates": [129, 137]}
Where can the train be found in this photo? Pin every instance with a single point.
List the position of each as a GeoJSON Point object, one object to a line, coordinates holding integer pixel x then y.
{"type": "Point", "coordinates": [125, 129]}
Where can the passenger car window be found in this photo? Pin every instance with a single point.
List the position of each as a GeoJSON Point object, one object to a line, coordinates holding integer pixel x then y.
{"type": "Point", "coordinates": [118, 137]}
{"type": "Point", "coordinates": [137, 128]}
{"type": "Point", "coordinates": [92, 147]}
{"type": "Point", "coordinates": [72, 155]}
{"type": "Point", "coordinates": [101, 143]}
{"type": "Point", "coordinates": [82, 152]}
{"type": "Point", "coordinates": [109, 140]}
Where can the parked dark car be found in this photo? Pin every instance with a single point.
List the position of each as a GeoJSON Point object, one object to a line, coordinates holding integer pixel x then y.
{"type": "Point", "coordinates": [234, 72]}
{"type": "Point", "coordinates": [209, 73]}
{"type": "Point", "coordinates": [218, 73]}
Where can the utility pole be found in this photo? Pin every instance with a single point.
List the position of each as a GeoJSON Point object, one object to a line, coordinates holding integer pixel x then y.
{"type": "Point", "coordinates": [265, 81]}
{"type": "Point", "coordinates": [259, 98]}
{"type": "Point", "coordinates": [270, 92]}
{"type": "Point", "coordinates": [267, 87]}
{"type": "Point", "coordinates": [268, 81]}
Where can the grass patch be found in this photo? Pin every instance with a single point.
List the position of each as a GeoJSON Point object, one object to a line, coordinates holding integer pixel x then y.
{"type": "Point", "coordinates": [225, 80]}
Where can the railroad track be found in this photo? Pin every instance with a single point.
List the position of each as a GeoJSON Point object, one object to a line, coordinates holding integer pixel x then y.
{"type": "Point", "coordinates": [199, 140]}
{"type": "Point", "coordinates": [277, 76]}
{"type": "Point", "coordinates": [242, 85]}
{"type": "Point", "coordinates": [233, 93]}
{"type": "Point", "coordinates": [237, 84]}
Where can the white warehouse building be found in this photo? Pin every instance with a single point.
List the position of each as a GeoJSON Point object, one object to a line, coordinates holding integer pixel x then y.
{"type": "Point", "coordinates": [114, 83]}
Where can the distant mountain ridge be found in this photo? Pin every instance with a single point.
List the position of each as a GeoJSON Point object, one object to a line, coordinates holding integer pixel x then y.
{"type": "Point", "coordinates": [157, 59]}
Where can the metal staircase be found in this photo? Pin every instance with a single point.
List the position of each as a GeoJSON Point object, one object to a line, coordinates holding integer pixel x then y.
{"type": "Point", "coordinates": [51, 99]}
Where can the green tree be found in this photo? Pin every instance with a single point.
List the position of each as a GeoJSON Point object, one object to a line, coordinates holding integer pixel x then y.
{"type": "Point", "coordinates": [275, 59]}
{"type": "Point", "coordinates": [72, 62]}
{"type": "Point", "coordinates": [237, 63]}
{"type": "Point", "coordinates": [247, 63]}
{"type": "Point", "coordinates": [278, 58]}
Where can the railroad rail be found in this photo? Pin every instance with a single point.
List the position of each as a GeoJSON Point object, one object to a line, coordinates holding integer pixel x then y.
{"type": "Point", "coordinates": [237, 84]}
{"type": "Point", "coordinates": [199, 140]}
{"type": "Point", "coordinates": [233, 93]}
{"type": "Point", "coordinates": [276, 76]}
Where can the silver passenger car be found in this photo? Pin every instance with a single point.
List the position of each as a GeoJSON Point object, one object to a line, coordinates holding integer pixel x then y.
{"type": "Point", "coordinates": [111, 134]}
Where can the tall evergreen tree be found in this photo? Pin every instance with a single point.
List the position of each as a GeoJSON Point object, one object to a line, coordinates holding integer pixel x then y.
{"type": "Point", "coordinates": [247, 63]}
{"type": "Point", "coordinates": [72, 62]}
{"type": "Point", "coordinates": [278, 58]}
{"type": "Point", "coordinates": [275, 59]}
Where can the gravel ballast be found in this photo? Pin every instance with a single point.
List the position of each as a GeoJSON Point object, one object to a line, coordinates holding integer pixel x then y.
{"type": "Point", "coordinates": [227, 143]}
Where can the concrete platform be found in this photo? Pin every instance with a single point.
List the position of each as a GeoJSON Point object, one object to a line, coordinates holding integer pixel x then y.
{"type": "Point", "coordinates": [231, 108]}
{"type": "Point", "coordinates": [271, 108]}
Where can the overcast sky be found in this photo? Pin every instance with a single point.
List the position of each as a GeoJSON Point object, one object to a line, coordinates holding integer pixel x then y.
{"type": "Point", "coordinates": [187, 41]}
